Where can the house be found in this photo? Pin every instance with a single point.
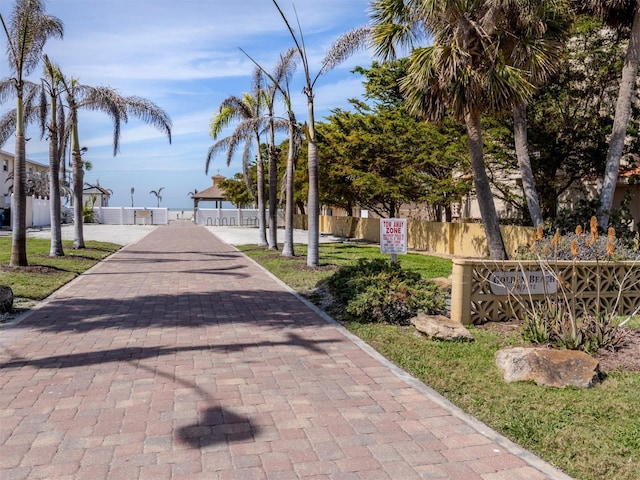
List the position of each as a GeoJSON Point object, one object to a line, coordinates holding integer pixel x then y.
{"type": "Point", "coordinates": [6, 175]}
{"type": "Point", "coordinates": [96, 196]}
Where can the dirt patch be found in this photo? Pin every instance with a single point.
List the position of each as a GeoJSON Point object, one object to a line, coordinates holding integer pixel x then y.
{"type": "Point", "coordinates": [626, 358]}
{"type": "Point", "coordinates": [37, 269]}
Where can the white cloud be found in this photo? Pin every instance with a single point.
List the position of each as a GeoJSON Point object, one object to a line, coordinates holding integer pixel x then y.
{"type": "Point", "coordinates": [185, 57]}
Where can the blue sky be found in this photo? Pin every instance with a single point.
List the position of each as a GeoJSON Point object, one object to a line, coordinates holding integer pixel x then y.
{"type": "Point", "coordinates": [184, 56]}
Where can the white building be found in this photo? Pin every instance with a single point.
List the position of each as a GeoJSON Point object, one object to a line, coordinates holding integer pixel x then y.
{"type": "Point", "coordinates": [6, 177]}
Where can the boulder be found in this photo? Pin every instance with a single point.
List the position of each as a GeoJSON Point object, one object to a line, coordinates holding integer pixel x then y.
{"type": "Point", "coordinates": [440, 327]}
{"type": "Point", "coordinates": [443, 282]}
{"type": "Point", "coordinates": [544, 366]}
{"type": "Point", "coordinates": [6, 299]}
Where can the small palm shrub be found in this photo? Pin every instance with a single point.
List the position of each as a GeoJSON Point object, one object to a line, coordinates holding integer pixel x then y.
{"type": "Point", "coordinates": [553, 325]}
{"type": "Point", "coordinates": [87, 213]}
{"type": "Point", "coordinates": [379, 291]}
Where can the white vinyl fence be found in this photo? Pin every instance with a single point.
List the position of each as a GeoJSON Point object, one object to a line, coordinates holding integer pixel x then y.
{"type": "Point", "coordinates": [130, 216]}
{"type": "Point", "coordinates": [231, 217]}
{"type": "Point", "coordinates": [38, 212]}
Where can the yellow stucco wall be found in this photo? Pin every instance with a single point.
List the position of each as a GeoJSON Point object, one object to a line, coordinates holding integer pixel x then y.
{"type": "Point", "coordinates": [460, 239]}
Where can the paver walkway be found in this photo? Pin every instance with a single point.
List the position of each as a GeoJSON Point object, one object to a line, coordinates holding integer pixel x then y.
{"type": "Point", "coordinates": [180, 358]}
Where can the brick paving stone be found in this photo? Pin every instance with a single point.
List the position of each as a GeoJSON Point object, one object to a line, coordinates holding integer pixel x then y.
{"type": "Point", "coordinates": [178, 357]}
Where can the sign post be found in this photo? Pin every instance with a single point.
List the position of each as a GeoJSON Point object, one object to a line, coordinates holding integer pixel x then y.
{"type": "Point", "coordinates": [393, 237]}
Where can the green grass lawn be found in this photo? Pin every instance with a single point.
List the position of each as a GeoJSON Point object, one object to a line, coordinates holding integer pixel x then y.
{"type": "Point", "coordinates": [590, 434]}
{"type": "Point", "coordinates": [45, 274]}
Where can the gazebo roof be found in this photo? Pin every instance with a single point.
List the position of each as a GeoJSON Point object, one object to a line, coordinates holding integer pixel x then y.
{"type": "Point", "coordinates": [213, 193]}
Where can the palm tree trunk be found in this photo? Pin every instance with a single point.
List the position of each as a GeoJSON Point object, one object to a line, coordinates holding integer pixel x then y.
{"type": "Point", "coordinates": [55, 249]}
{"type": "Point", "coordinates": [620, 122]}
{"type": "Point", "coordinates": [78, 183]}
{"type": "Point", "coordinates": [19, 211]}
{"type": "Point", "coordinates": [524, 162]}
{"type": "Point", "coordinates": [262, 216]}
{"type": "Point", "coordinates": [483, 188]}
{"type": "Point", "coordinates": [313, 203]}
{"type": "Point", "coordinates": [287, 249]}
{"type": "Point", "coordinates": [273, 195]}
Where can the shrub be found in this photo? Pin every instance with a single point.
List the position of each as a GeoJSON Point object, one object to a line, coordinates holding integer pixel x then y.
{"type": "Point", "coordinates": [87, 213]}
{"type": "Point", "coordinates": [379, 291]}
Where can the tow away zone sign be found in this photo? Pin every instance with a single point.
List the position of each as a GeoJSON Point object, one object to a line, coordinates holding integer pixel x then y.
{"type": "Point", "coordinates": [393, 235]}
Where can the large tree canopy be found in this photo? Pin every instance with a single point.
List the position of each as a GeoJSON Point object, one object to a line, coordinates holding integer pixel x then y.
{"type": "Point", "coordinates": [379, 157]}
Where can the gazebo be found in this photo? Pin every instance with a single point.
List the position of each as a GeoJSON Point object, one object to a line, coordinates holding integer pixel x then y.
{"type": "Point", "coordinates": [212, 194]}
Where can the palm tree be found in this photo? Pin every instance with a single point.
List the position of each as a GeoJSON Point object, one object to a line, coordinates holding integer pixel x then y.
{"type": "Point", "coordinates": [28, 30]}
{"type": "Point", "coordinates": [338, 53]}
{"type": "Point", "coordinates": [132, 192]}
{"type": "Point", "coordinates": [119, 108]}
{"type": "Point", "coordinates": [538, 31]}
{"type": "Point", "coordinates": [248, 111]}
{"type": "Point", "coordinates": [282, 72]}
{"type": "Point", "coordinates": [52, 83]}
{"type": "Point", "coordinates": [463, 71]}
{"type": "Point", "coordinates": [618, 14]}
{"type": "Point", "coordinates": [157, 194]}
{"type": "Point", "coordinates": [49, 112]}
{"type": "Point", "coordinates": [280, 85]}
{"type": "Point", "coordinates": [292, 156]}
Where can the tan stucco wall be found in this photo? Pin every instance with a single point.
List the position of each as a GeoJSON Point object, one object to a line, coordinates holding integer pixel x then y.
{"type": "Point", "coordinates": [460, 239]}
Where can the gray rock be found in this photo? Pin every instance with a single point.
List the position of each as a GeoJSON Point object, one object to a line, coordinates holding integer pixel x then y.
{"type": "Point", "coordinates": [443, 282]}
{"type": "Point", "coordinates": [6, 299]}
{"type": "Point", "coordinates": [544, 366]}
{"type": "Point", "coordinates": [441, 328]}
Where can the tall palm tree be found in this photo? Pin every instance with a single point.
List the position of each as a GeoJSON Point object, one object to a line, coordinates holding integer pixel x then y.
{"type": "Point", "coordinates": [619, 14]}
{"type": "Point", "coordinates": [248, 112]}
{"type": "Point", "coordinates": [27, 31]}
{"type": "Point", "coordinates": [43, 104]}
{"type": "Point", "coordinates": [537, 30]}
{"type": "Point", "coordinates": [338, 53]}
{"type": "Point", "coordinates": [313, 200]}
{"type": "Point", "coordinates": [158, 195]}
{"type": "Point", "coordinates": [292, 153]}
{"type": "Point", "coordinates": [273, 152]}
{"type": "Point", "coordinates": [275, 88]}
{"type": "Point", "coordinates": [52, 83]}
{"type": "Point", "coordinates": [132, 192]}
{"type": "Point", "coordinates": [464, 71]}
{"type": "Point", "coordinates": [119, 108]}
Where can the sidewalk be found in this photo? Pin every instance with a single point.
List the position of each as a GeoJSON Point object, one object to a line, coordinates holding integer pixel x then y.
{"type": "Point", "coordinates": [180, 358]}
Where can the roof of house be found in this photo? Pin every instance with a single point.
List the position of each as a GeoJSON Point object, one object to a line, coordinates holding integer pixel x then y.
{"type": "Point", "coordinates": [97, 189]}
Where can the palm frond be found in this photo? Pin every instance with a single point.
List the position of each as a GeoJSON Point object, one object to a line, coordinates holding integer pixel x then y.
{"type": "Point", "coordinates": [345, 46]}
{"type": "Point", "coordinates": [214, 149]}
